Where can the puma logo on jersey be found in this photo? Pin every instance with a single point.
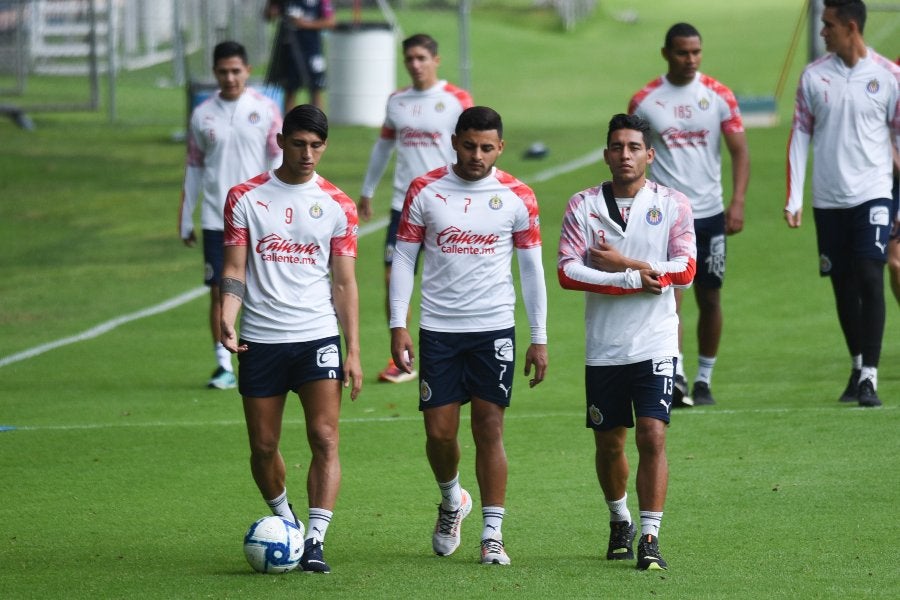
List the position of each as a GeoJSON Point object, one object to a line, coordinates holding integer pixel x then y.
{"type": "Point", "coordinates": [265, 205]}
{"type": "Point", "coordinates": [667, 405]}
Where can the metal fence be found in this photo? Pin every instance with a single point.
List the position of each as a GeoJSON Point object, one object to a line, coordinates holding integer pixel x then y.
{"type": "Point", "coordinates": [76, 42]}
{"type": "Point", "coordinates": [56, 55]}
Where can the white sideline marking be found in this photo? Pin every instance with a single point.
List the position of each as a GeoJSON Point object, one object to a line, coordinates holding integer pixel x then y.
{"type": "Point", "coordinates": [147, 312]}
{"type": "Point", "coordinates": [107, 326]}
{"type": "Point", "coordinates": [186, 297]}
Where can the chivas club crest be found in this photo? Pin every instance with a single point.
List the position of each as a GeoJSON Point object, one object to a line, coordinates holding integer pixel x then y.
{"type": "Point", "coordinates": [315, 211]}
{"type": "Point", "coordinates": [495, 202]}
{"type": "Point", "coordinates": [654, 216]}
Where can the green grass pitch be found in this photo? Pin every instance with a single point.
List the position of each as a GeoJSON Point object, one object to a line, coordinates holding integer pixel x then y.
{"type": "Point", "coordinates": [125, 478]}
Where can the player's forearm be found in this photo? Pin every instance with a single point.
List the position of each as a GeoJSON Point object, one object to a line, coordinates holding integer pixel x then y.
{"type": "Point", "coordinates": [534, 292]}
{"type": "Point", "coordinates": [402, 282]}
{"type": "Point", "coordinates": [798, 152]}
{"type": "Point", "coordinates": [378, 161]}
{"type": "Point", "coordinates": [345, 293]}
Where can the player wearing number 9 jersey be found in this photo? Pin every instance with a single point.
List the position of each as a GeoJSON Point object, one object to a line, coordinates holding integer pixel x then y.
{"type": "Point", "coordinates": [290, 255]}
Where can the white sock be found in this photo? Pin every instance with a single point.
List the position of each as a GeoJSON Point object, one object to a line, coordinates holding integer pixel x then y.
{"type": "Point", "coordinates": [869, 373]}
{"type": "Point", "coordinates": [650, 522]}
{"type": "Point", "coordinates": [493, 521]}
{"type": "Point", "coordinates": [281, 507]}
{"type": "Point", "coordinates": [319, 519]}
{"type": "Point", "coordinates": [223, 356]}
{"type": "Point", "coordinates": [451, 494]}
{"type": "Point", "coordinates": [705, 366]}
{"type": "Point", "coordinates": [618, 509]}
{"type": "Point", "coordinates": [857, 361]}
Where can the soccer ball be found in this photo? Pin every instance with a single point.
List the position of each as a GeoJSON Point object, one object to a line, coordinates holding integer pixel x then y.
{"type": "Point", "coordinates": [274, 545]}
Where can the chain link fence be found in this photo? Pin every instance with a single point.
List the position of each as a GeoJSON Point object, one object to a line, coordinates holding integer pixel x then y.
{"type": "Point", "coordinates": [88, 55]}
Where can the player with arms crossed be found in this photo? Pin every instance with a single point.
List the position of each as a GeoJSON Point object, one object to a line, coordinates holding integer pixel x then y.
{"type": "Point", "coordinates": [231, 139]}
{"type": "Point", "coordinates": [469, 217]}
{"type": "Point", "coordinates": [290, 254]}
{"type": "Point", "coordinates": [627, 244]}
{"type": "Point", "coordinates": [419, 121]}
{"type": "Point", "coordinates": [690, 113]}
{"type": "Point", "coordinates": [848, 105]}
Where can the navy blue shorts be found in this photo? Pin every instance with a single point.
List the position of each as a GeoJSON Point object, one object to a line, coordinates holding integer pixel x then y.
{"type": "Point", "coordinates": [213, 256]}
{"type": "Point", "coordinates": [845, 235]}
{"type": "Point", "coordinates": [616, 395]}
{"type": "Point", "coordinates": [390, 242]}
{"type": "Point", "coordinates": [895, 206]}
{"type": "Point", "coordinates": [710, 234]}
{"type": "Point", "coordinates": [274, 369]}
{"type": "Point", "coordinates": [454, 367]}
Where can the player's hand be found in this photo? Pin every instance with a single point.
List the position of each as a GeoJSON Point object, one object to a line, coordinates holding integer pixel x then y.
{"type": "Point", "coordinates": [402, 350]}
{"type": "Point", "coordinates": [364, 208]}
{"type": "Point", "coordinates": [650, 281]}
{"type": "Point", "coordinates": [353, 374]}
{"type": "Point", "coordinates": [536, 356]}
{"type": "Point", "coordinates": [793, 219]}
{"type": "Point", "coordinates": [191, 240]}
{"type": "Point", "coordinates": [606, 258]}
{"type": "Point", "coordinates": [230, 340]}
{"type": "Point", "coordinates": [734, 218]}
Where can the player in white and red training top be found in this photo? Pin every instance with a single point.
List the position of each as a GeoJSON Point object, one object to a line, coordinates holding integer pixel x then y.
{"type": "Point", "coordinates": [628, 244]}
{"type": "Point", "coordinates": [690, 113]}
{"type": "Point", "coordinates": [231, 139]}
{"type": "Point", "coordinates": [893, 252]}
{"type": "Point", "coordinates": [290, 255]}
{"type": "Point", "coordinates": [848, 104]}
{"type": "Point", "coordinates": [419, 122]}
{"type": "Point", "coordinates": [469, 217]}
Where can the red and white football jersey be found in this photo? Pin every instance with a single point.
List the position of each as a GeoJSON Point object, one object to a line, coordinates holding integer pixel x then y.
{"type": "Point", "coordinates": [291, 233]}
{"type": "Point", "coordinates": [231, 141]}
{"type": "Point", "coordinates": [419, 125]}
{"type": "Point", "coordinates": [853, 117]}
{"type": "Point", "coordinates": [623, 324]}
{"type": "Point", "coordinates": [687, 123]}
{"type": "Point", "coordinates": [468, 230]}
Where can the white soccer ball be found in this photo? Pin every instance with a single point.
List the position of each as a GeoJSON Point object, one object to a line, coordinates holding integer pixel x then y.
{"type": "Point", "coordinates": [274, 545]}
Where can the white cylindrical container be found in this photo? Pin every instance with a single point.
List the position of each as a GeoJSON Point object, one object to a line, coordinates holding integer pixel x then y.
{"type": "Point", "coordinates": [362, 73]}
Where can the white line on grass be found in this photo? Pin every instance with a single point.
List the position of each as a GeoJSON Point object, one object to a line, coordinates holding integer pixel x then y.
{"type": "Point", "coordinates": [186, 297]}
{"type": "Point", "coordinates": [575, 416]}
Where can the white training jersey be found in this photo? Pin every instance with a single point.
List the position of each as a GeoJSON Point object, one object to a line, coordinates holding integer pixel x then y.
{"type": "Point", "coordinates": [623, 324]}
{"type": "Point", "coordinates": [419, 125]}
{"type": "Point", "coordinates": [853, 117]}
{"type": "Point", "coordinates": [688, 122]}
{"type": "Point", "coordinates": [229, 142]}
{"type": "Point", "coordinates": [468, 230]}
{"type": "Point", "coordinates": [291, 233]}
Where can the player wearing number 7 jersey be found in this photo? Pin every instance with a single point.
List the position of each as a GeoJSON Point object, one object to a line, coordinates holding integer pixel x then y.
{"type": "Point", "coordinates": [469, 217]}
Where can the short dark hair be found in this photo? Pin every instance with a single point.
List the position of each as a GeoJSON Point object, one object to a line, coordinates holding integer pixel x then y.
{"type": "Point", "coordinates": [228, 49]}
{"type": "Point", "coordinates": [849, 10]}
{"type": "Point", "coordinates": [305, 117]}
{"type": "Point", "coordinates": [623, 121]}
{"type": "Point", "coordinates": [421, 40]}
{"type": "Point", "coordinates": [479, 118]}
{"type": "Point", "coordinates": [681, 30]}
